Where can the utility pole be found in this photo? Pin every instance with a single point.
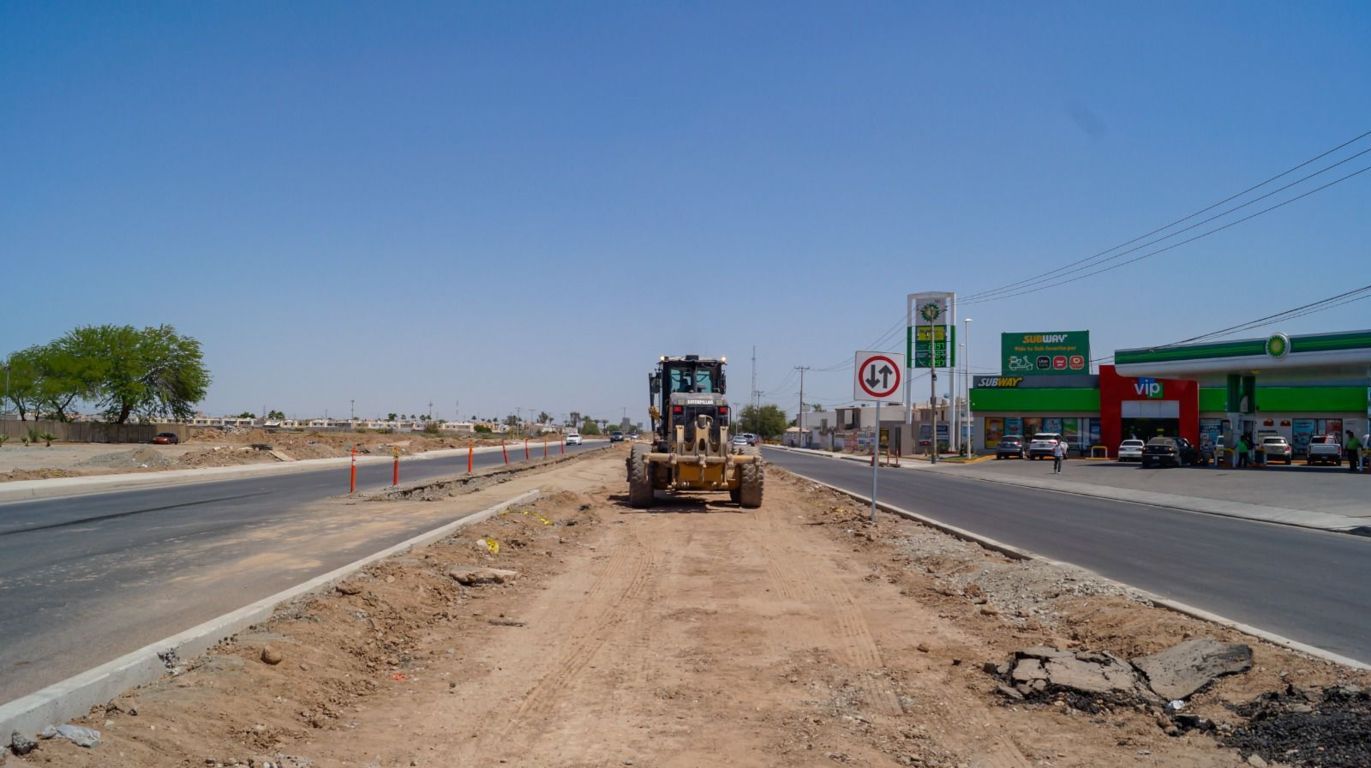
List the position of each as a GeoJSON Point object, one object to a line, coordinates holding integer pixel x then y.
{"type": "Point", "coordinates": [966, 386]}
{"type": "Point", "coordinates": [352, 410]}
{"type": "Point", "coordinates": [754, 377]}
{"type": "Point", "coordinates": [800, 417]}
{"type": "Point", "coordinates": [430, 410]}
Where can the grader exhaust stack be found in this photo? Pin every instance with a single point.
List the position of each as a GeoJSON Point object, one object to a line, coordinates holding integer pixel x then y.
{"type": "Point", "coordinates": [690, 448]}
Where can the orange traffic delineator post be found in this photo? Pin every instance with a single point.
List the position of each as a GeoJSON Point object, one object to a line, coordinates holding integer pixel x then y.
{"type": "Point", "coordinates": [504, 451]}
{"type": "Point", "coordinates": [545, 447]}
{"type": "Point", "coordinates": [526, 457]}
{"type": "Point", "coordinates": [563, 448]}
{"type": "Point", "coordinates": [352, 472]}
{"type": "Point", "coordinates": [395, 468]}
{"type": "Point", "coordinates": [471, 454]}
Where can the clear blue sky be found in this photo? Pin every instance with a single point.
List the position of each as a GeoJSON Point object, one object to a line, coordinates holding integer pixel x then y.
{"type": "Point", "coordinates": [523, 204]}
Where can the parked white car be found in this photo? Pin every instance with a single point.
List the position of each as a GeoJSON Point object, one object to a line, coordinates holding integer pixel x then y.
{"type": "Point", "coordinates": [574, 438]}
{"type": "Point", "coordinates": [1043, 445]}
{"type": "Point", "coordinates": [1131, 450]}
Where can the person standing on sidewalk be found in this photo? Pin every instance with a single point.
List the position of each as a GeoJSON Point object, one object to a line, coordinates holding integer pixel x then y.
{"type": "Point", "coordinates": [1058, 453]}
{"type": "Point", "coordinates": [1241, 448]}
{"type": "Point", "coordinates": [1351, 447]}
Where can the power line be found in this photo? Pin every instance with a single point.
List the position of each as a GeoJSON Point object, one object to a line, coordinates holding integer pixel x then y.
{"type": "Point", "coordinates": [1164, 249]}
{"type": "Point", "coordinates": [1313, 307]}
{"type": "Point", "coordinates": [1206, 209]}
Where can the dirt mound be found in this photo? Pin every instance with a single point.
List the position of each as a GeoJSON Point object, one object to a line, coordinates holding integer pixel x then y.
{"type": "Point", "coordinates": [36, 474]}
{"type": "Point", "coordinates": [141, 457]}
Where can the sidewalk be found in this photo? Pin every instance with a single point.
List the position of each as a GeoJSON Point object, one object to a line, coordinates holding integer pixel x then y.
{"type": "Point", "coordinates": [1350, 515]}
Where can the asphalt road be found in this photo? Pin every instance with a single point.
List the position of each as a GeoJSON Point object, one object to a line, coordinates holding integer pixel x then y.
{"type": "Point", "coordinates": [85, 579]}
{"type": "Point", "coordinates": [1309, 586]}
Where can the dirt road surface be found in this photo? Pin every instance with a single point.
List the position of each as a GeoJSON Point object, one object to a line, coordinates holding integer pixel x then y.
{"type": "Point", "coordinates": [693, 634]}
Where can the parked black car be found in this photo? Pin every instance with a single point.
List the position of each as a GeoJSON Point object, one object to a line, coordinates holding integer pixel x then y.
{"type": "Point", "coordinates": [1010, 447]}
{"type": "Point", "coordinates": [1170, 452]}
{"type": "Point", "coordinates": [616, 437]}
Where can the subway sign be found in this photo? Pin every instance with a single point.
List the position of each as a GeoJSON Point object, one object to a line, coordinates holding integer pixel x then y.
{"type": "Point", "coordinates": [1057, 353]}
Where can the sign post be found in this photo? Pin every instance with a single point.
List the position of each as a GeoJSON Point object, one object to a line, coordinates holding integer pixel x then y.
{"type": "Point", "coordinates": [932, 345]}
{"type": "Point", "coordinates": [878, 379]}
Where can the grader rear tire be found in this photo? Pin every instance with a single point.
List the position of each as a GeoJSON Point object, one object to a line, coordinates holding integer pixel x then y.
{"type": "Point", "coordinates": [639, 479]}
{"type": "Point", "coordinates": [750, 487]}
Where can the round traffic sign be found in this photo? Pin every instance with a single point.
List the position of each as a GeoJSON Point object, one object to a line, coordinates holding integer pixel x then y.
{"type": "Point", "coordinates": [878, 376]}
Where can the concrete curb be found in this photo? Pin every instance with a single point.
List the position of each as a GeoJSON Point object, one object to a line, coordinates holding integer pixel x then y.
{"type": "Point", "coordinates": [26, 490]}
{"type": "Point", "coordinates": [1018, 553]}
{"type": "Point", "coordinates": [75, 696]}
{"type": "Point", "coordinates": [1315, 521]}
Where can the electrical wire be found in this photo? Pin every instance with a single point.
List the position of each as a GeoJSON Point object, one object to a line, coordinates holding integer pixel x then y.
{"type": "Point", "coordinates": [1230, 198]}
{"type": "Point", "coordinates": [1164, 249]}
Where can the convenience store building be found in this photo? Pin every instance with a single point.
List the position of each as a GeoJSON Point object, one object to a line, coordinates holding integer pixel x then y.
{"type": "Point", "coordinates": [1295, 386]}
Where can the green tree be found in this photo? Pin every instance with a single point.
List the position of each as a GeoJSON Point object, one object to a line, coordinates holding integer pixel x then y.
{"type": "Point", "coordinates": [390, 417]}
{"type": "Point", "coordinates": [276, 415]}
{"type": "Point", "coordinates": [769, 421]}
{"type": "Point", "coordinates": [25, 379]}
{"type": "Point", "coordinates": [145, 373]}
{"type": "Point", "coordinates": [246, 415]}
{"type": "Point", "coordinates": [46, 380]}
{"type": "Point", "coordinates": [544, 417]}
{"type": "Point", "coordinates": [589, 427]}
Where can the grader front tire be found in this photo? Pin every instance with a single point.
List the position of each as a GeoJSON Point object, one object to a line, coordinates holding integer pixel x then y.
{"type": "Point", "coordinates": [639, 480]}
{"type": "Point", "coordinates": [750, 487]}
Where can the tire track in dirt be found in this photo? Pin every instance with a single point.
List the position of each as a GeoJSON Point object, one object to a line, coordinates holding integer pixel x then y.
{"type": "Point", "coordinates": [779, 538]}
{"type": "Point", "coordinates": [606, 606]}
{"type": "Point", "coordinates": [847, 626]}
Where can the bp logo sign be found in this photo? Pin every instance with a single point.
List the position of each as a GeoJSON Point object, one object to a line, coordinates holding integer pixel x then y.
{"type": "Point", "coordinates": [1278, 345]}
{"type": "Point", "coordinates": [931, 311]}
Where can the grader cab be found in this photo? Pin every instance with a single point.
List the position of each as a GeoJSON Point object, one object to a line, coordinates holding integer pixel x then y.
{"type": "Point", "coordinates": [690, 449]}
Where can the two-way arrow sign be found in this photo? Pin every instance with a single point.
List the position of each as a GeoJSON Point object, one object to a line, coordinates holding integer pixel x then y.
{"type": "Point", "coordinates": [878, 376]}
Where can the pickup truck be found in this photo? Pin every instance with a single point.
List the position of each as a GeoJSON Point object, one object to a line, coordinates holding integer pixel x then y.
{"type": "Point", "coordinates": [1324, 449]}
{"type": "Point", "coordinates": [1275, 448]}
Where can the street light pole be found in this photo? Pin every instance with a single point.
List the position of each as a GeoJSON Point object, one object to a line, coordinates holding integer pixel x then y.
{"type": "Point", "coordinates": [800, 416]}
{"type": "Point", "coordinates": [966, 360]}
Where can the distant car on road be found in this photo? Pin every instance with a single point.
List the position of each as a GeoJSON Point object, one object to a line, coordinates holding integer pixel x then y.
{"type": "Point", "coordinates": [616, 437]}
{"type": "Point", "coordinates": [1324, 449]}
{"type": "Point", "coordinates": [166, 438]}
{"type": "Point", "coordinates": [574, 438]}
{"type": "Point", "coordinates": [1010, 447]}
{"type": "Point", "coordinates": [739, 441]}
{"type": "Point", "coordinates": [1043, 445]}
{"type": "Point", "coordinates": [1276, 449]}
{"type": "Point", "coordinates": [1131, 450]}
{"type": "Point", "coordinates": [751, 438]}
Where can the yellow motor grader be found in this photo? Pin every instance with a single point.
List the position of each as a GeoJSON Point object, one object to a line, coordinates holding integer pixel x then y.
{"type": "Point", "coordinates": [690, 449]}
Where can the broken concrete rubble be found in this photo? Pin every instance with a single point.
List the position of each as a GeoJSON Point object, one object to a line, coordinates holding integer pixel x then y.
{"type": "Point", "coordinates": [474, 575]}
{"type": "Point", "coordinates": [1187, 668]}
{"type": "Point", "coordinates": [1172, 674]}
